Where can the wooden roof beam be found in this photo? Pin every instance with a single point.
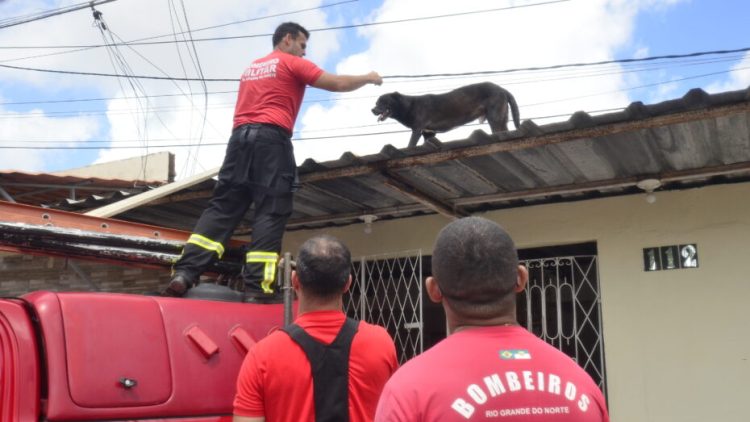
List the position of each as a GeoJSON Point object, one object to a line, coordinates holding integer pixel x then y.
{"type": "Point", "coordinates": [398, 183]}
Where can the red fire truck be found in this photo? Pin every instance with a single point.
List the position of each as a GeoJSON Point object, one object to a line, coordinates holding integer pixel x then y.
{"type": "Point", "coordinates": [82, 356]}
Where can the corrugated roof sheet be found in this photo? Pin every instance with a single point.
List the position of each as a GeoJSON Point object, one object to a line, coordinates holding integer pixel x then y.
{"type": "Point", "coordinates": [692, 141]}
{"type": "Point", "coordinates": [41, 189]}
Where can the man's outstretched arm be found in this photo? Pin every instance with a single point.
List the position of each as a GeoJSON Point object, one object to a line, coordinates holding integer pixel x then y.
{"type": "Point", "coordinates": [346, 83]}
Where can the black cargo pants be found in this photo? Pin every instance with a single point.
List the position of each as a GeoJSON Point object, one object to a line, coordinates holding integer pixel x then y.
{"type": "Point", "coordinates": [258, 168]}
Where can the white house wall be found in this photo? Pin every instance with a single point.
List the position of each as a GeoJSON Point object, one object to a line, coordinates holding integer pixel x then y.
{"type": "Point", "coordinates": [676, 342]}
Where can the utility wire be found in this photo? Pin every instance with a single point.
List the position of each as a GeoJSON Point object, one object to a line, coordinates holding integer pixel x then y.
{"type": "Point", "coordinates": [398, 131]}
{"type": "Point", "coordinates": [258, 18]}
{"type": "Point", "coordinates": [174, 34]}
{"type": "Point", "coordinates": [118, 61]}
{"type": "Point", "coordinates": [330, 28]}
{"type": "Point", "coordinates": [69, 72]}
{"type": "Point", "coordinates": [227, 105]}
{"type": "Point", "coordinates": [94, 99]}
{"type": "Point", "coordinates": [155, 141]}
{"type": "Point", "coordinates": [175, 20]}
{"type": "Point", "coordinates": [203, 84]}
{"type": "Point", "coordinates": [356, 97]}
{"type": "Point", "coordinates": [570, 65]}
{"type": "Point", "coordinates": [426, 75]}
{"type": "Point", "coordinates": [6, 23]}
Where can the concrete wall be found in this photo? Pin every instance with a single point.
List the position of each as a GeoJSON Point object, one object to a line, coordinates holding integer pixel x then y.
{"type": "Point", "coordinates": [676, 342]}
{"type": "Point", "coordinates": [158, 166]}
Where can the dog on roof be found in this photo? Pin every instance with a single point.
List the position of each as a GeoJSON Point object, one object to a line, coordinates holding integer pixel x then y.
{"type": "Point", "coordinates": [428, 114]}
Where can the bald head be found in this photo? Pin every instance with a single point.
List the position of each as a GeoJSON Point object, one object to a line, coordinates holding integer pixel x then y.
{"type": "Point", "coordinates": [323, 266]}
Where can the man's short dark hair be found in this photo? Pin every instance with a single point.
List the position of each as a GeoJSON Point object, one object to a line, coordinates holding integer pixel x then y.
{"type": "Point", "coordinates": [288, 28]}
{"type": "Point", "coordinates": [475, 264]}
{"type": "Point", "coordinates": [323, 266]}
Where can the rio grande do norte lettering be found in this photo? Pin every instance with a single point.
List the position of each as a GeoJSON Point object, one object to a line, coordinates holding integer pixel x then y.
{"type": "Point", "coordinates": [510, 382]}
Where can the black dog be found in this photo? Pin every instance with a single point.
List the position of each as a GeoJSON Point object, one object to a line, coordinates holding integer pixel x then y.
{"type": "Point", "coordinates": [427, 114]}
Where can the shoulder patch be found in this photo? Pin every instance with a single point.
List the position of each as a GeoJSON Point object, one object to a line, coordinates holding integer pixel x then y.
{"type": "Point", "coordinates": [511, 354]}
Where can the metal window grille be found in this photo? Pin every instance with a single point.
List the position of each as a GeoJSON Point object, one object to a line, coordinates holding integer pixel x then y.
{"type": "Point", "coordinates": [387, 290]}
{"type": "Point", "coordinates": [561, 305]}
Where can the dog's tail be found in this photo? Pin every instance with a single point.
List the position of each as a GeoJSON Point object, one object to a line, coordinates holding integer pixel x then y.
{"type": "Point", "coordinates": [514, 111]}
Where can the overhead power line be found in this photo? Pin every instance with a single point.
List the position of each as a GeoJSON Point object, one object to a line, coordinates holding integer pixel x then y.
{"type": "Point", "coordinates": [226, 105]}
{"type": "Point", "coordinates": [84, 100]}
{"type": "Point", "coordinates": [528, 79]}
{"type": "Point", "coordinates": [205, 28]}
{"type": "Point", "coordinates": [427, 75]}
{"type": "Point", "coordinates": [330, 28]}
{"type": "Point", "coordinates": [582, 64]}
{"type": "Point", "coordinates": [398, 131]}
{"type": "Point", "coordinates": [114, 75]}
{"type": "Point", "coordinates": [155, 141]}
{"type": "Point", "coordinates": [6, 23]}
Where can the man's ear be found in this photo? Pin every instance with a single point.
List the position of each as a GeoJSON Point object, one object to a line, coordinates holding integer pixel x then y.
{"type": "Point", "coordinates": [295, 280]}
{"type": "Point", "coordinates": [521, 279]}
{"type": "Point", "coordinates": [433, 290]}
{"type": "Point", "coordinates": [348, 284]}
{"type": "Point", "coordinates": [287, 41]}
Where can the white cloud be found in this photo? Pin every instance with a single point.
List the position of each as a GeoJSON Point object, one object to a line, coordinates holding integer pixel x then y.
{"type": "Point", "coordinates": [739, 77]}
{"type": "Point", "coordinates": [34, 128]}
{"type": "Point", "coordinates": [641, 53]}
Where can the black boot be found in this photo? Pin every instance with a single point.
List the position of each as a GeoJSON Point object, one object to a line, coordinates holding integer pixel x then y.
{"type": "Point", "coordinates": [178, 285]}
{"type": "Point", "coordinates": [262, 298]}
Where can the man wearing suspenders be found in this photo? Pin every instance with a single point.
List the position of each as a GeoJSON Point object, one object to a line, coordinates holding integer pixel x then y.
{"type": "Point", "coordinates": [324, 366]}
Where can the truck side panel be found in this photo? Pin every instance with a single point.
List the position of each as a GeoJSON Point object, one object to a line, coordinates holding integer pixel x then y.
{"type": "Point", "coordinates": [19, 364]}
{"type": "Point", "coordinates": [117, 356]}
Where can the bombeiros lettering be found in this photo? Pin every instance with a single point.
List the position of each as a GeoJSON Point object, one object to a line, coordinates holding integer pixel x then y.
{"type": "Point", "coordinates": [498, 384]}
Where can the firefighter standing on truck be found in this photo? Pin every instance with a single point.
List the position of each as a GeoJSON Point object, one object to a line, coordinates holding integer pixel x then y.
{"type": "Point", "coordinates": [259, 165]}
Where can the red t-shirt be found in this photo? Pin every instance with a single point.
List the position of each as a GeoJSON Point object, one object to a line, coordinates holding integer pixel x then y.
{"type": "Point", "coordinates": [492, 373]}
{"type": "Point", "coordinates": [275, 379]}
{"type": "Point", "coordinates": [271, 89]}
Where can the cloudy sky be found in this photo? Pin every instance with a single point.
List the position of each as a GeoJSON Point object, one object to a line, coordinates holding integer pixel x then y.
{"type": "Point", "coordinates": [51, 121]}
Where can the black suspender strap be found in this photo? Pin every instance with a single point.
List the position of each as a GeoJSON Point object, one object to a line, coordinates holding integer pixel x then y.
{"type": "Point", "coordinates": [330, 370]}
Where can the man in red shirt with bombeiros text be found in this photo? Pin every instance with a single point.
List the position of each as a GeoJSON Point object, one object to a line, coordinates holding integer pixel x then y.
{"type": "Point", "coordinates": [259, 164]}
{"type": "Point", "coordinates": [488, 368]}
{"type": "Point", "coordinates": [325, 366]}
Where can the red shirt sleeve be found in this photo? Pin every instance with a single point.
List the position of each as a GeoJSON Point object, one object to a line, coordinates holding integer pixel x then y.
{"type": "Point", "coordinates": [392, 409]}
{"type": "Point", "coordinates": [306, 71]}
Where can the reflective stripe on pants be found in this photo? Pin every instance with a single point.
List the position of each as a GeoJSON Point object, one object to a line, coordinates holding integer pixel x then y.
{"type": "Point", "coordinates": [207, 244]}
{"type": "Point", "coordinates": [269, 260]}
